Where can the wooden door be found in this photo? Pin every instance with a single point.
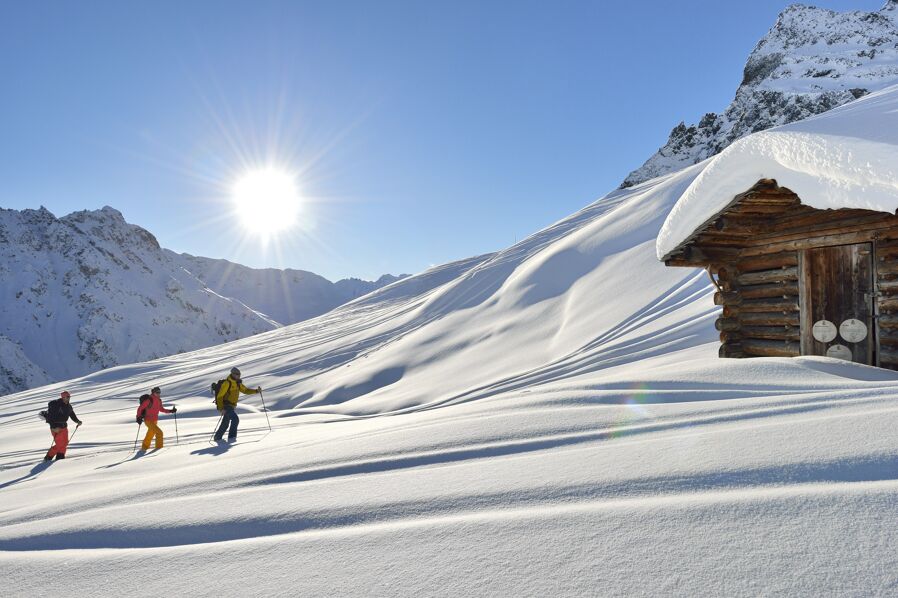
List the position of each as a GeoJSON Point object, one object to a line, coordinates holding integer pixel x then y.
{"type": "Point", "coordinates": [835, 285]}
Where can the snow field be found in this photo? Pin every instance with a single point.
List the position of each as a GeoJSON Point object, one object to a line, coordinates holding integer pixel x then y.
{"type": "Point", "coordinates": [551, 419]}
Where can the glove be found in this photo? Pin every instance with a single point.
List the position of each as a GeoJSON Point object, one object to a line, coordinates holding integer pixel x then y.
{"type": "Point", "coordinates": [259, 389]}
{"type": "Point", "coordinates": [174, 409]}
{"type": "Point", "coordinates": [139, 420]}
{"type": "Point", "coordinates": [79, 424]}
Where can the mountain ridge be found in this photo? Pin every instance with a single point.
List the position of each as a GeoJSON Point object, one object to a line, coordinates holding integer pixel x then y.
{"type": "Point", "coordinates": [89, 291]}
{"type": "Point", "coordinates": [810, 61]}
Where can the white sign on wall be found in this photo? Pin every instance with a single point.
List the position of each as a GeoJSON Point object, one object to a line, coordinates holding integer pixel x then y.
{"type": "Point", "coordinates": [824, 331]}
{"type": "Point", "coordinates": [839, 352]}
{"type": "Point", "coordinates": [853, 331]}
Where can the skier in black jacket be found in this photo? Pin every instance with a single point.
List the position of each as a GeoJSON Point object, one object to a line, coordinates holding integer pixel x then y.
{"type": "Point", "coordinates": [57, 415]}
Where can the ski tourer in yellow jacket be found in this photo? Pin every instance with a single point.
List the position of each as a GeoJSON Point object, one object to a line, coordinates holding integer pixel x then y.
{"type": "Point", "coordinates": [226, 400]}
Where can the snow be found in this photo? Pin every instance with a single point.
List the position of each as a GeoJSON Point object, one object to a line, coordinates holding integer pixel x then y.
{"type": "Point", "coordinates": [845, 158]}
{"type": "Point", "coordinates": [537, 421]}
{"type": "Point", "coordinates": [550, 419]}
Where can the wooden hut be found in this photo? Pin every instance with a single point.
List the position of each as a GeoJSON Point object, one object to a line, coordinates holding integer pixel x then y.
{"type": "Point", "coordinates": [795, 280]}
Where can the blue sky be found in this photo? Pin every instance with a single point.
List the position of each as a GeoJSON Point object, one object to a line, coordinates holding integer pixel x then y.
{"type": "Point", "coordinates": [422, 132]}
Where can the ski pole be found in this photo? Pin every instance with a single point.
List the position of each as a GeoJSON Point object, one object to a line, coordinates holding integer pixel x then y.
{"type": "Point", "coordinates": [177, 438]}
{"type": "Point", "coordinates": [135, 438]}
{"type": "Point", "coordinates": [265, 409]}
{"type": "Point", "coordinates": [215, 429]}
{"type": "Point", "coordinates": [75, 432]}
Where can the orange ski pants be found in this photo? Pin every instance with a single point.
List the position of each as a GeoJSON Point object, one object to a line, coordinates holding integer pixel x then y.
{"type": "Point", "coordinates": [60, 442]}
{"type": "Point", "coordinates": [153, 430]}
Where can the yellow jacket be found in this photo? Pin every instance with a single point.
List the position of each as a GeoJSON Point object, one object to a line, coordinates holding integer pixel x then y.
{"type": "Point", "coordinates": [230, 390]}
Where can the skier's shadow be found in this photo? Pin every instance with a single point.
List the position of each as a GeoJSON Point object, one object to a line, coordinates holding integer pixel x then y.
{"type": "Point", "coordinates": [28, 476]}
{"type": "Point", "coordinates": [219, 449]}
{"type": "Point", "coordinates": [133, 457]}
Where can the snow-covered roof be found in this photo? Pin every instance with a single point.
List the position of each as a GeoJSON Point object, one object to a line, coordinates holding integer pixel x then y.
{"type": "Point", "coordinates": [846, 158]}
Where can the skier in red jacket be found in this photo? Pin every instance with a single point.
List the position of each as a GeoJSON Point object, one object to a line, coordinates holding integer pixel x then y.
{"type": "Point", "coordinates": [148, 412]}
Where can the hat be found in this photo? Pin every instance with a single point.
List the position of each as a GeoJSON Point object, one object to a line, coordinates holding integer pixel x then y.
{"type": "Point", "coordinates": [65, 394]}
{"type": "Point", "coordinates": [156, 390]}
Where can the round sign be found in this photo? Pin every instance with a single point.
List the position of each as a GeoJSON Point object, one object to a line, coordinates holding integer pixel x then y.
{"type": "Point", "coordinates": [853, 331]}
{"type": "Point", "coordinates": [824, 331]}
{"type": "Point", "coordinates": [839, 352]}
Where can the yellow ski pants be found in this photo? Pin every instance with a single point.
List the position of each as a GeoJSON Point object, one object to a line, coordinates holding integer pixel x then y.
{"type": "Point", "coordinates": [152, 430]}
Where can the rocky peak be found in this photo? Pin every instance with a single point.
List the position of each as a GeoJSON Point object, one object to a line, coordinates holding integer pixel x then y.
{"type": "Point", "coordinates": [810, 61]}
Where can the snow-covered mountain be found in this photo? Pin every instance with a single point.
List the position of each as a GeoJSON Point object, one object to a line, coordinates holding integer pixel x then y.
{"type": "Point", "coordinates": [89, 291]}
{"type": "Point", "coordinates": [287, 296]}
{"type": "Point", "coordinates": [533, 422]}
{"type": "Point", "coordinates": [810, 61]}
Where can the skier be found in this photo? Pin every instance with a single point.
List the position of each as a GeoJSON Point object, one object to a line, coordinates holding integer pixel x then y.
{"type": "Point", "coordinates": [229, 391]}
{"type": "Point", "coordinates": [148, 412]}
{"type": "Point", "coordinates": [57, 415]}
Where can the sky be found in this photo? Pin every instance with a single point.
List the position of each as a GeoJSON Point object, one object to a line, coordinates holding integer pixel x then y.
{"type": "Point", "coordinates": [417, 133]}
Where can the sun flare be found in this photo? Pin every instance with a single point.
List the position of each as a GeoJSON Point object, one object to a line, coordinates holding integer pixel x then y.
{"type": "Point", "coordinates": [267, 201]}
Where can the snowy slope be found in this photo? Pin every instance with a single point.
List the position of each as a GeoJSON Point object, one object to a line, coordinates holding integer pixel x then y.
{"type": "Point", "coordinates": [506, 425]}
{"type": "Point", "coordinates": [287, 296]}
{"type": "Point", "coordinates": [547, 420]}
{"type": "Point", "coordinates": [811, 60]}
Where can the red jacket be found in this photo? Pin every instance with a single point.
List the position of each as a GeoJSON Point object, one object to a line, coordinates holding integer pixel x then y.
{"type": "Point", "coordinates": [149, 409]}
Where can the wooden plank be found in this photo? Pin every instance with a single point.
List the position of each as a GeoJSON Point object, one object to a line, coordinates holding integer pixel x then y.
{"type": "Point", "coordinates": [769, 319]}
{"type": "Point", "coordinates": [768, 262]}
{"type": "Point", "coordinates": [806, 339]}
{"type": "Point", "coordinates": [727, 298]}
{"type": "Point", "coordinates": [727, 324]}
{"type": "Point", "coordinates": [885, 253]}
{"type": "Point", "coordinates": [886, 242]}
{"type": "Point", "coordinates": [825, 222]}
{"type": "Point", "coordinates": [766, 348]}
{"type": "Point", "coordinates": [768, 276]}
{"type": "Point", "coordinates": [888, 322]}
{"type": "Point", "coordinates": [888, 356]}
{"type": "Point", "coordinates": [768, 304]}
{"type": "Point", "coordinates": [782, 289]}
{"type": "Point", "coordinates": [884, 269]}
{"type": "Point", "coordinates": [888, 287]}
{"type": "Point", "coordinates": [727, 273]}
{"type": "Point", "coordinates": [890, 341]}
{"type": "Point", "coordinates": [888, 305]}
{"type": "Point", "coordinates": [820, 222]}
{"type": "Point", "coordinates": [782, 333]}
{"type": "Point", "coordinates": [849, 238]}
{"type": "Point", "coordinates": [730, 351]}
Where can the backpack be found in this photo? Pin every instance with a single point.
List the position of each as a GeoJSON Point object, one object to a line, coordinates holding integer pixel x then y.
{"type": "Point", "coordinates": [56, 412]}
{"type": "Point", "coordinates": [140, 402]}
{"type": "Point", "coordinates": [216, 386]}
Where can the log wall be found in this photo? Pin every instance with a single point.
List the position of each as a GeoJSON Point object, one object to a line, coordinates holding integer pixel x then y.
{"type": "Point", "coordinates": [760, 315]}
{"type": "Point", "coordinates": [885, 265]}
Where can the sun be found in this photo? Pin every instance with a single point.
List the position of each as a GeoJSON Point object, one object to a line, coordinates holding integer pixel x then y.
{"type": "Point", "coordinates": [267, 201]}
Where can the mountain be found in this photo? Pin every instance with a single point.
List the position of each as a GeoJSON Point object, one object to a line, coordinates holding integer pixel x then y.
{"type": "Point", "coordinates": [810, 61]}
{"type": "Point", "coordinates": [90, 291]}
{"type": "Point", "coordinates": [287, 296]}
{"type": "Point", "coordinates": [548, 420]}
